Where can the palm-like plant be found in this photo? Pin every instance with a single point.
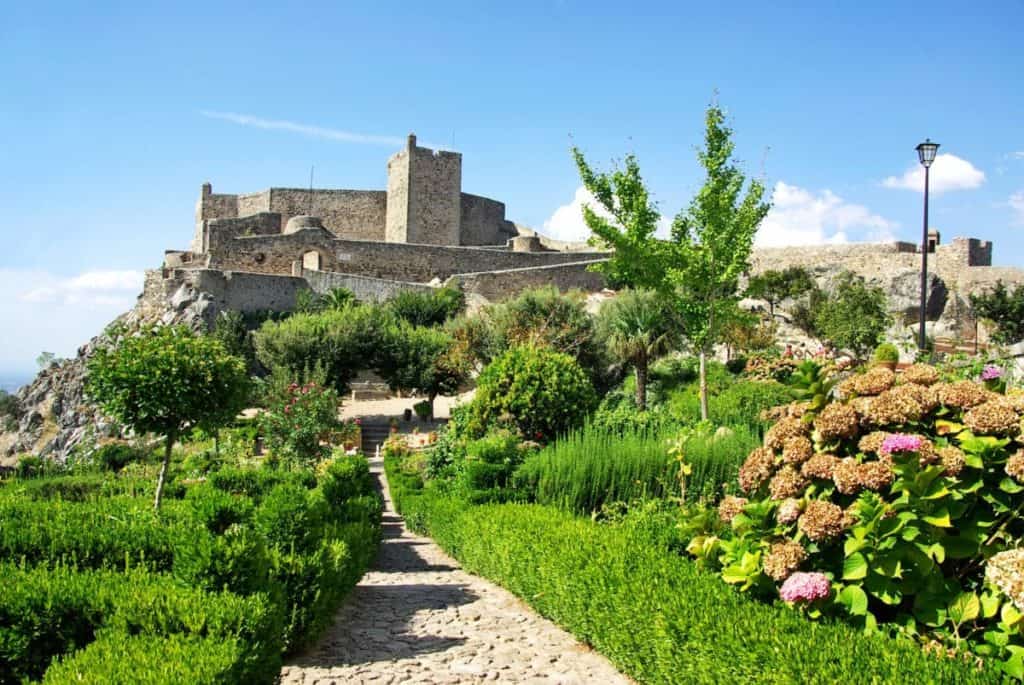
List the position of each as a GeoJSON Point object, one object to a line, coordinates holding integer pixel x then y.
{"type": "Point", "coordinates": [638, 326]}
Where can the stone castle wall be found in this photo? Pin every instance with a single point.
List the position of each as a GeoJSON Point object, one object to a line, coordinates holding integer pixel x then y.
{"type": "Point", "coordinates": [394, 261]}
{"type": "Point", "coordinates": [363, 287]}
{"type": "Point", "coordinates": [483, 222]}
{"type": "Point", "coordinates": [499, 285]}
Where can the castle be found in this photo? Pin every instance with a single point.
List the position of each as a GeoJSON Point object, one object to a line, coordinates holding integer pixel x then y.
{"type": "Point", "coordinates": [256, 251]}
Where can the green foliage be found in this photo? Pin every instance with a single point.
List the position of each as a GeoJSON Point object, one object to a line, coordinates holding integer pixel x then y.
{"type": "Point", "coordinates": [1003, 308]}
{"type": "Point", "coordinates": [638, 326]}
{"type": "Point", "coordinates": [886, 352]}
{"type": "Point", "coordinates": [773, 286]}
{"type": "Point", "coordinates": [657, 616]}
{"type": "Point", "coordinates": [342, 341]}
{"type": "Point", "coordinates": [167, 379]}
{"type": "Point", "coordinates": [232, 331]}
{"type": "Point", "coordinates": [10, 410]}
{"type": "Point", "coordinates": [902, 529]}
{"type": "Point", "coordinates": [337, 298]}
{"type": "Point", "coordinates": [29, 466]}
{"type": "Point", "coordinates": [427, 308]}
{"type": "Point", "coordinates": [625, 225]}
{"type": "Point", "coordinates": [419, 359]}
{"type": "Point", "coordinates": [593, 467]}
{"type": "Point", "coordinates": [854, 315]}
{"type": "Point", "coordinates": [299, 425]}
{"type": "Point", "coordinates": [544, 317]}
{"type": "Point", "coordinates": [115, 456]}
{"type": "Point", "coordinates": [711, 242]}
{"type": "Point", "coordinates": [246, 566]}
{"type": "Point", "coordinates": [540, 392]}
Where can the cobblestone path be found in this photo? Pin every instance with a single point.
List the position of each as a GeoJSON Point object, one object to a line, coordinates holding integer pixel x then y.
{"type": "Point", "coordinates": [417, 617]}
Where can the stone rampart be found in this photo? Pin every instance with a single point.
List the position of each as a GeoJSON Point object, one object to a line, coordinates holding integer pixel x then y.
{"type": "Point", "coordinates": [353, 214]}
{"type": "Point", "coordinates": [363, 287]}
{"type": "Point", "coordinates": [483, 221]}
{"type": "Point", "coordinates": [393, 261]}
{"type": "Point", "coordinates": [499, 285]}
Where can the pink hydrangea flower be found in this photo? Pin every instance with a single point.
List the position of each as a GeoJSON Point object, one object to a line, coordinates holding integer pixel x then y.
{"type": "Point", "coordinates": [900, 442]}
{"type": "Point", "coordinates": [991, 373]}
{"type": "Point", "coordinates": [805, 587]}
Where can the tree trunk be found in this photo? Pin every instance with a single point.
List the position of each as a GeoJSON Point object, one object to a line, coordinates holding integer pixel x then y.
{"type": "Point", "coordinates": [641, 383]}
{"type": "Point", "coordinates": [703, 386]}
{"type": "Point", "coordinates": [163, 471]}
{"type": "Point", "coordinates": [430, 399]}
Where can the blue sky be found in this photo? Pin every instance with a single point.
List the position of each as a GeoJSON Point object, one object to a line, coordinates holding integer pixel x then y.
{"type": "Point", "coordinates": [112, 115]}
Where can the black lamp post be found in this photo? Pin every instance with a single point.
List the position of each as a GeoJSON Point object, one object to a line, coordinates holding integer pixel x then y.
{"type": "Point", "coordinates": [926, 155]}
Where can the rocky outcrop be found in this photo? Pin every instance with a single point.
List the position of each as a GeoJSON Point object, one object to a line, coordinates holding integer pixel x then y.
{"type": "Point", "coordinates": [53, 414]}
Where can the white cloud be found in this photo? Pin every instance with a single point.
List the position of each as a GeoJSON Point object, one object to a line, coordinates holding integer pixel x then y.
{"type": "Point", "coordinates": [1019, 154]}
{"type": "Point", "coordinates": [89, 288]}
{"type": "Point", "coordinates": [1016, 203]}
{"type": "Point", "coordinates": [311, 130]}
{"type": "Point", "coordinates": [58, 313]}
{"type": "Point", "coordinates": [566, 222]}
{"type": "Point", "coordinates": [948, 172]}
{"type": "Point", "coordinates": [802, 217]}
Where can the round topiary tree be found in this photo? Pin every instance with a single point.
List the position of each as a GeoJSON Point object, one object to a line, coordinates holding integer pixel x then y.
{"type": "Point", "coordinates": [540, 391]}
{"type": "Point", "coordinates": [166, 380]}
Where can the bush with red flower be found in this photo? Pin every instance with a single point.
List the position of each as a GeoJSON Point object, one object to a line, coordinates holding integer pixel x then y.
{"type": "Point", "coordinates": [889, 511]}
{"type": "Point", "coordinates": [301, 424]}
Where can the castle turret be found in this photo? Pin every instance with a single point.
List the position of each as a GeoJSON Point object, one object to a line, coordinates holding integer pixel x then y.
{"type": "Point", "coordinates": [424, 191]}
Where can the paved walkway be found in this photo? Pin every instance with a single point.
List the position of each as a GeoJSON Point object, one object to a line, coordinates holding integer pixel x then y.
{"type": "Point", "coordinates": [416, 617]}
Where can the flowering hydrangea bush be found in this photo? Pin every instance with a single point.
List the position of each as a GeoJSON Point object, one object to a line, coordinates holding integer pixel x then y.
{"type": "Point", "coordinates": [885, 506]}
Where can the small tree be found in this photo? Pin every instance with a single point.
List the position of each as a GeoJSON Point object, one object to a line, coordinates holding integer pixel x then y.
{"type": "Point", "coordinates": [744, 331]}
{"type": "Point", "coordinates": [1004, 309]}
{"type": "Point", "coordinates": [774, 286]}
{"type": "Point", "coordinates": [853, 315]}
{"type": "Point", "coordinates": [638, 326]}
{"type": "Point", "coordinates": [711, 243]}
{"type": "Point", "coordinates": [427, 308]}
{"type": "Point", "coordinates": [629, 233]}
{"type": "Point", "coordinates": [167, 380]}
{"type": "Point", "coordinates": [421, 359]}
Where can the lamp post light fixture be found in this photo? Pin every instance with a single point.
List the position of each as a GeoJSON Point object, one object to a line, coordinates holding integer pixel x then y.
{"type": "Point", "coordinates": [926, 155]}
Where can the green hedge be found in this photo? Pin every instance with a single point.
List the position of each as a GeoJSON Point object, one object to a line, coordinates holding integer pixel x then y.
{"type": "Point", "coordinates": [279, 550]}
{"type": "Point", "coordinates": [47, 612]}
{"type": "Point", "coordinates": [655, 614]}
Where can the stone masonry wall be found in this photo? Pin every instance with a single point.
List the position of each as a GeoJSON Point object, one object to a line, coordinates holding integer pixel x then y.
{"type": "Point", "coordinates": [393, 261]}
{"type": "Point", "coordinates": [483, 222]}
{"type": "Point", "coordinates": [353, 214]}
{"type": "Point", "coordinates": [435, 183]}
{"type": "Point", "coordinates": [220, 290]}
{"type": "Point", "coordinates": [396, 212]}
{"type": "Point", "coordinates": [365, 288]}
{"type": "Point", "coordinates": [499, 285]}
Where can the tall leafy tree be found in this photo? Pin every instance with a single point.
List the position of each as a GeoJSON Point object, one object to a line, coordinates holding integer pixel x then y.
{"type": "Point", "coordinates": [167, 380]}
{"type": "Point", "coordinates": [626, 226]}
{"type": "Point", "coordinates": [711, 243]}
{"type": "Point", "coordinates": [638, 326]}
{"type": "Point", "coordinates": [421, 359]}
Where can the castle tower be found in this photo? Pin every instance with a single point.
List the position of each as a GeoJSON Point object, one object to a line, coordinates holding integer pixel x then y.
{"type": "Point", "coordinates": [424, 193]}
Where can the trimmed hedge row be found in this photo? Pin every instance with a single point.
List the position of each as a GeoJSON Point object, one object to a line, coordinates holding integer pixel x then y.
{"type": "Point", "coordinates": [48, 612]}
{"type": "Point", "coordinates": [282, 549]}
{"type": "Point", "coordinates": [657, 616]}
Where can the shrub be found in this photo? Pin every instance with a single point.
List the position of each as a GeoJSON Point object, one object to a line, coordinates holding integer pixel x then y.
{"type": "Point", "coordinates": [886, 353]}
{"type": "Point", "coordinates": [115, 456]}
{"type": "Point", "coordinates": [255, 483]}
{"type": "Point", "coordinates": [898, 494]}
{"type": "Point", "coordinates": [300, 424]}
{"type": "Point", "coordinates": [343, 341]}
{"type": "Point", "coordinates": [658, 617]}
{"type": "Point", "coordinates": [427, 308]}
{"type": "Point", "coordinates": [289, 518]}
{"type": "Point", "coordinates": [1003, 308]}
{"type": "Point", "coordinates": [540, 392]}
{"type": "Point", "coordinates": [29, 467]}
{"type": "Point", "coordinates": [344, 479]}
